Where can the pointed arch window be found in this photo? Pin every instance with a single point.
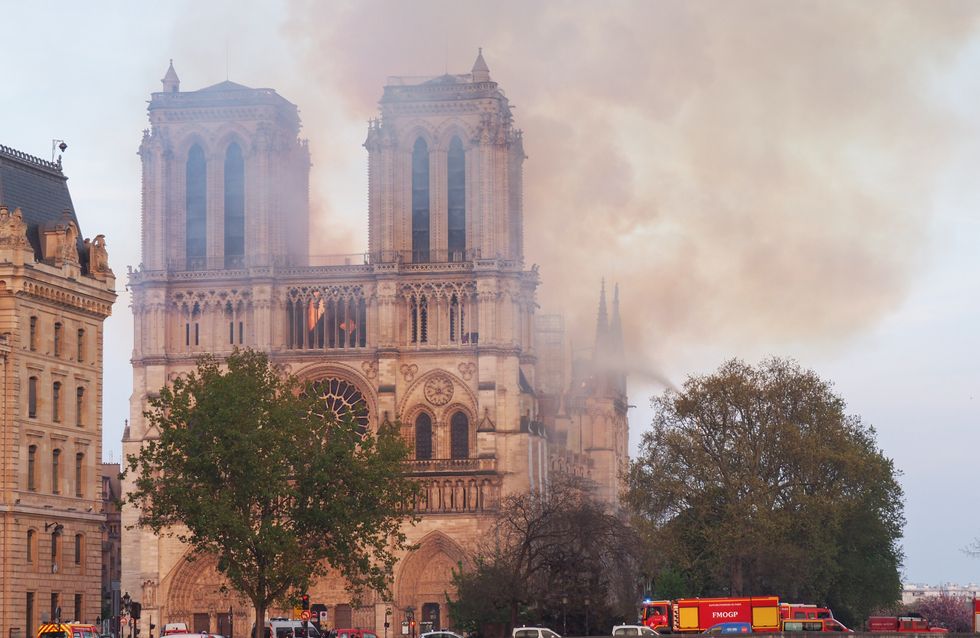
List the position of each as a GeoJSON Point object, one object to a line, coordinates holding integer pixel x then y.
{"type": "Point", "coordinates": [456, 182]}
{"type": "Point", "coordinates": [196, 203]}
{"type": "Point", "coordinates": [234, 206]}
{"type": "Point", "coordinates": [419, 310]}
{"type": "Point", "coordinates": [423, 437]}
{"type": "Point", "coordinates": [459, 436]}
{"type": "Point", "coordinates": [420, 201]}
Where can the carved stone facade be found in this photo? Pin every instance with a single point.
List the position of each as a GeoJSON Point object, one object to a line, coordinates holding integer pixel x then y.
{"type": "Point", "coordinates": [432, 328]}
{"type": "Point", "coordinates": [52, 307]}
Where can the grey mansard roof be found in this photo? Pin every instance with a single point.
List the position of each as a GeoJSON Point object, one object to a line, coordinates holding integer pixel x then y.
{"type": "Point", "coordinates": [38, 188]}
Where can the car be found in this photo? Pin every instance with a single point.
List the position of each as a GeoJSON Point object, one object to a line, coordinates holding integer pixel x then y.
{"type": "Point", "coordinates": [533, 632]}
{"type": "Point", "coordinates": [633, 630]}
{"type": "Point", "coordinates": [730, 628]}
{"type": "Point", "coordinates": [441, 633]}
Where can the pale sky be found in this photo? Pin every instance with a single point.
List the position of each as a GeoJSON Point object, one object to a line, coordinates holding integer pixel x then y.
{"type": "Point", "coordinates": [762, 178]}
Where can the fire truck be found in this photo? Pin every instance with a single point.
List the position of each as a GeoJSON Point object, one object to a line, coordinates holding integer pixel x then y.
{"type": "Point", "coordinates": [67, 630]}
{"type": "Point", "coordinates": [696, 615]}
{"type": "Point", "coordinates": [797, 611]}
{"type": "Point", "coordinates": [903, 624]}
{"type": "Point", "coordinates": [976, 615]}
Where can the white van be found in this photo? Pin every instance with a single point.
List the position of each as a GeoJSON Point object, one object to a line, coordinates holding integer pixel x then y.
{"type": "Point", "coordinates": [533, 632]}
{"type": "Point", "coordinates": [286, 628]}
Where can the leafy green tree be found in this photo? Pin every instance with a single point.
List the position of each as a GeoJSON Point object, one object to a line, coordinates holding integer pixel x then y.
{"type": "Point", "coordinates": [244, 464]}
{"type": "Point", "coordinates": [754, 480]}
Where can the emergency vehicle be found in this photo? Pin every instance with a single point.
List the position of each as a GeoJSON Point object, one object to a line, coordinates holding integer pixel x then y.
{"type": "Point", "coordinates": [67, 630]}
{"type": "Point", "coordinates": [797, 611]}
{"type": "Point", "coordinates": [903, 624]}
{"type": "Point", "coordinates": [700, 614]}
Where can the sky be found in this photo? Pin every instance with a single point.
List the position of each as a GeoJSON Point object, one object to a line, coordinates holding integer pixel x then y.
{"type": "Point", "coordinates": [797, 179]}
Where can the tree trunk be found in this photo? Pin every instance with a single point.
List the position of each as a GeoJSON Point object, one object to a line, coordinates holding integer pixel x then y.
{"type": "Point", "coordinates": [260, 621]}
{"type": "Point", "coordinates": [737, 577]}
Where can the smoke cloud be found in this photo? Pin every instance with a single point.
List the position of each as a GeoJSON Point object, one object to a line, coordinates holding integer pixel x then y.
{"type": "Point", "coordinates": [751, 172]}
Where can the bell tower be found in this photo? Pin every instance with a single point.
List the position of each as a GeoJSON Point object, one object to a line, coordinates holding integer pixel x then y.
{"type": "Point", "coordinates": [225, 179]}
{"type": "Point", "coordinates": [445, 165]}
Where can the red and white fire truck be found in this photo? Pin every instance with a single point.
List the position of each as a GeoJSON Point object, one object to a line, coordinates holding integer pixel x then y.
{"type": "Point", "coordinates": [690, 615]}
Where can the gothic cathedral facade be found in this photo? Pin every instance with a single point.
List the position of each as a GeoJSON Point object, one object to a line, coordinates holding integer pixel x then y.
{"type": "Point", "coordinates": [432, 328]}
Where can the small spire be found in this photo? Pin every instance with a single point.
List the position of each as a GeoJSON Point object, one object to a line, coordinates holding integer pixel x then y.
{"type": "Point", "coordinates": [171, 83]}
{"type": "Point", "coordinates": [616, 324]}
{"type": "Point", "coordinates": [602, 324]}
{"type": "Point", "coordinates": [481, 72]}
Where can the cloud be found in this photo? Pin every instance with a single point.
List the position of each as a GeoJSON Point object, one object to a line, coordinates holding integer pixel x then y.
{"type": "Point", "coordinates": [751, 173]}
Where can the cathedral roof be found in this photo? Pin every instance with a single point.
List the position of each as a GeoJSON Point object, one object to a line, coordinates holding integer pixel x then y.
{"type": "Point", "coordinates": [227, 85]}
{"type": "Point", "coordinates": [38, 188]}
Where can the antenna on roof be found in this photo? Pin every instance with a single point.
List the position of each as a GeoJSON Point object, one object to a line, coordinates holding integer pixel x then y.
{"type": "Point", "coordinates": [55, 146]}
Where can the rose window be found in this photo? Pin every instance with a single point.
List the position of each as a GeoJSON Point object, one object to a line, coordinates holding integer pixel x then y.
{"type": "Point", "coordinates": [340, 397]}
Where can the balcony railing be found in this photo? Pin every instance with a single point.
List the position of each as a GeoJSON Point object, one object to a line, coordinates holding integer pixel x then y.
{"type": "Point", "coordinates": [452, 466]}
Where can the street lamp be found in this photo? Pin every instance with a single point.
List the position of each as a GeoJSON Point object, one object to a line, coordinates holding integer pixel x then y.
{"type": "Point", "coordinates": [127, 601]}
{"type": "Point", "coordinates": [587, 603]}
{"type": "Point", "coordinates": [564, 618]}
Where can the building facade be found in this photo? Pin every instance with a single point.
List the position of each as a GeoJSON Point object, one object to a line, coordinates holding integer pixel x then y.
{"type": "Point", "coordinates": [111, 548]}
{"type": "Point", "coordinates": [56, 290]}
{"type": "Point", "coordinates": [432, 328]}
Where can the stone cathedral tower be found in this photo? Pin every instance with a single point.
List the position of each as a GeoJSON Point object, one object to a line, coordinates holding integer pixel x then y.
{"type": "Point", "coordinates": [433, 327]}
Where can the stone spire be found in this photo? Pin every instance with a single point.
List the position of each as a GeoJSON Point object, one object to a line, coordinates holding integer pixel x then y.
{"type": "Point", "coordinates": [481, 72]}
{"type": "Point", "coordinates": [171, 83]}
{"type": "Point", "coordinates": [602, 326]}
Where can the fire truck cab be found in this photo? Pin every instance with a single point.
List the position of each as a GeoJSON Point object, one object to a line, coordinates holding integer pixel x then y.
{"type": "Point", "coordinates": [67, 630]}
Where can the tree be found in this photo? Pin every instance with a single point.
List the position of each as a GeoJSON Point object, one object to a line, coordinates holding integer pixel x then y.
{"type": "Point", "coordinates": [952, 612]}
{"type": "Point", "coordinates": [756, 481]}
{"type": "Point", "coordinates": [244, 464]}
{"type": "Point", "coordinates": [546, 547]}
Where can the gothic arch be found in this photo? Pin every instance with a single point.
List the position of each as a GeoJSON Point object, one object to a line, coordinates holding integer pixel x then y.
{"type": "Point", "coordinates": [415, 396]}
{"type": "Point", "coordinates": [425, 570]}
{"type": "Point", "coordinates": [196, 586]}
{"type": "Point", "coordinates": [446, 131]}
{"type": "Point", "coordinates": [184, 145]}
{"type": "Point", "coordinates": [421, 129]}
{"type": "Point", "coordinates": [232, 132]}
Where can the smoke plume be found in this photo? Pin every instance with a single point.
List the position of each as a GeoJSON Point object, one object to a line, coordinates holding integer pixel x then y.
{"type": "Point", "coordinates": [748, 172]}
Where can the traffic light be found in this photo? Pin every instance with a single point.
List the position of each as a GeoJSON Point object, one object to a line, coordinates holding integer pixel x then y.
{"type": "Point", "coordinates": [305, 601]}
{"type": "Point", "coordinates": [134, 609]}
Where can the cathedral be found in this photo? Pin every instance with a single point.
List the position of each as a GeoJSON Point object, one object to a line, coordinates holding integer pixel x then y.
{"type": "Point", "coordinates": [433, 328]}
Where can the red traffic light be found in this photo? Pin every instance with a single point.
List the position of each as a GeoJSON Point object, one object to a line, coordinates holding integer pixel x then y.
{"type": "Point", "coordinates": [305, 600]}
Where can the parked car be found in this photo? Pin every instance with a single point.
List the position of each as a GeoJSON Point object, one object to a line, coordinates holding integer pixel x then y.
{"type": "Point", "coordinates": [730, 628]}
{"type": "Point", "coordinates": [533, 632]}
{"type": "Point", "coordinates": [440, 634]}
{"type": "Point", "coordinates": [633, 630]}
{"type": "Point", "coordinates": [353, 633]}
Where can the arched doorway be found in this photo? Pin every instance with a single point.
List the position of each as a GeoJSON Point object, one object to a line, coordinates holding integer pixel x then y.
{"type": "Point", "coordinates": [425, 578]}
{"type": "Point", "coordinates": [200, 596]}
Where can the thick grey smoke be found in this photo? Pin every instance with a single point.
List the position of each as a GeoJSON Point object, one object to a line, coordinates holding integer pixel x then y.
{"type": "Point", "coordinates": [748, 172]}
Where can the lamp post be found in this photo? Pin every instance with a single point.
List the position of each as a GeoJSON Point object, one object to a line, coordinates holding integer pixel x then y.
{"type": "Point", "coordinates": [564, 617]}
{"type": "Point", "coordinates": [587, 603]}
{"type": "Point", "coordinates": [127, 601]}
